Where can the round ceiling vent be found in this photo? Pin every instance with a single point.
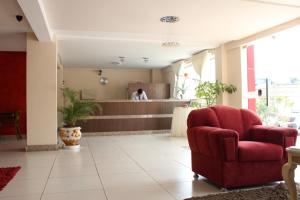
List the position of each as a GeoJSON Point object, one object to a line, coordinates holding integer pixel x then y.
{"type": "Point", "coordinates": [170, 44]}
{"type": "Point", "coordinates": [169, 19]}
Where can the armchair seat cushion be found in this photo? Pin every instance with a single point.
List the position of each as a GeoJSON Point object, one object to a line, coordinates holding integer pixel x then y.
{"type": "Point", "coordinates": [259, 151]}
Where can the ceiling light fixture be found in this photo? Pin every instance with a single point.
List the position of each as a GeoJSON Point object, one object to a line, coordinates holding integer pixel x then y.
{"type": "Point", "coordinates": [122, 59]}
{"type": "Point", "coordinates": [146, 60]}
{"type": "Point", "coordinates": [169, 19]}
{"type": "Point", "coordinates": [102, 80]}
{"type": "Point", "coordinates": [170, 44]}
{"type": "Point", "coordinates": [116, 63]}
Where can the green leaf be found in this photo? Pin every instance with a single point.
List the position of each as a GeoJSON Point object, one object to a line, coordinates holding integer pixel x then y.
{"type": "Point", "coordinates": [210, 91]}
{"type": "Point", "coordinates": [75, 109]}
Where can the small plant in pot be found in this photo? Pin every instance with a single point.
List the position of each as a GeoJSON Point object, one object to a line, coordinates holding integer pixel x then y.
{"type": "Point", "coordinates": [74, 110]}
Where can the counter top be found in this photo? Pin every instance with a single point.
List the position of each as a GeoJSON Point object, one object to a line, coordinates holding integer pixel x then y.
{"type": "Point", "coordinates": [139, 101]}
{"type": "Point", "coordinates": [129, 116]}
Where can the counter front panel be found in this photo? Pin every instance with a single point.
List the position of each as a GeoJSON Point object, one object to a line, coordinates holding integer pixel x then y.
{"type": "Point", "coordinates": [129, 115]}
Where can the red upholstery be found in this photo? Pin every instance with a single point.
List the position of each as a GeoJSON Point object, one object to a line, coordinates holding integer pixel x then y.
{"type": "Point", "coordinates": [231, 148]}
{"type": "Point", "coordinates": [259, 151]}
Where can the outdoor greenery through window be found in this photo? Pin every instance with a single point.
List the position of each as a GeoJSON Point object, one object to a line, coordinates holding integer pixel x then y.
{"type": "Point", "coordinates": [277, 61]}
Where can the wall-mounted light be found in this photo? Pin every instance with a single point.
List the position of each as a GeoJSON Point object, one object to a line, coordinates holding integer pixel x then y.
{"type": "Point", "coordinates": [102, 80]}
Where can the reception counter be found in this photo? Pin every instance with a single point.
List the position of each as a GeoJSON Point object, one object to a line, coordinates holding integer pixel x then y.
{"type": "Point", "coordinates": [128, 115]}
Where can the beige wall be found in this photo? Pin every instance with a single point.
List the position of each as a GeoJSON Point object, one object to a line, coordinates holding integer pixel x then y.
{"type": "Point", "coordinates": [13, 42]}
{"type": "Point", "coordinates": [229, 70]}
{"type": "Point", "coordinates": [80, 78]}
{"type": "Point", "coordinates": [168, 76]}
{"type": "Point", "coordinates": [156, 76]}
{"type": "Point", "coordinates": [41, 92]}
{"type": "Point", "coordinates": [234, 76]}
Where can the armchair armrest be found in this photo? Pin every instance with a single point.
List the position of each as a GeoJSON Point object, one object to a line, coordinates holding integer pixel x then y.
{"type": "Point", "coordinates": [284, 137]}
{"type": "Point", "coordinates": [212, 141]}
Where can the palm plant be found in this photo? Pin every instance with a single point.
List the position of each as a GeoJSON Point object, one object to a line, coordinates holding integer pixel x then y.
{"type": "Point", "coordinates": [75, 109]}
{"type": "Point", "coordinates": [210, 91]}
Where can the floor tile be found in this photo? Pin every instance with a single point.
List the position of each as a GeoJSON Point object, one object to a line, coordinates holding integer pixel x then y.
{"type": "Point", "coordinates": [182, 190]}
{"type": "Point", "coordinates": [70, 184]}
{"type": "Point", "coordinates": [76, 195]}
{"type": "Point", "coordinates": [142, 192]}
{"type": "Point", "coordinates": [171, 175]}
{"type": "Point", "coordinates": [26, 173]}
{"type": "Point", "coordinates": [22, 197]}
{"type": "Point", "coordinates": [71, 161]}
{"type": "Point", "coordinates": [23, 187]}
{"type": "Point", "coordinates": [73, 170]}
{"type": "Point", "coordinates": [124, 180]}
{"type": "Point", "coordinates": [119, 167]}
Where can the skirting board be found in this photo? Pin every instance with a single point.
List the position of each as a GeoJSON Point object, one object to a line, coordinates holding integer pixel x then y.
{"type": "Point", "coordinates": [50, 147]}
{"type": "Point", "coordinates": [86, 134]}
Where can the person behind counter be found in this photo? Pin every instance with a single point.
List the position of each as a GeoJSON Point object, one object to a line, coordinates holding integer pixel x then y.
{"type": "Point", "coordinates": [139, 95]}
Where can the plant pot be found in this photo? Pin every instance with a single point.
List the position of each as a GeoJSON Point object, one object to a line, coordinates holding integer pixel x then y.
{"type": "Point", "coordinates": [70, 136]}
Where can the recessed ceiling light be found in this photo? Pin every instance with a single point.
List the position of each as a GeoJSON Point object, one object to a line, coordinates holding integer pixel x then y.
{"type": "Point", "coordinates": [146, 60]}
{"type": "Point", "coordinates": [122, 59]}
{"type": "Point", "coordinates": [116, 63]}
{"type": "Point", "coordinates": [170, 44]}
{"type": "Point", "coordinates": [169, 19]}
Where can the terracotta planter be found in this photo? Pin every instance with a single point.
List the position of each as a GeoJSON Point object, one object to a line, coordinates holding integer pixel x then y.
{"type": "Point", "coordinates": [70, 136]}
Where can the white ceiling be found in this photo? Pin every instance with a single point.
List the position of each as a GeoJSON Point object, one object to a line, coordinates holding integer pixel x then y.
{"type": "Point", "coordinates": [94, 33]}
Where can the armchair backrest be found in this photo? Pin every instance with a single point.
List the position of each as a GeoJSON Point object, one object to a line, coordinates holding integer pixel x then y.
{"type": "Point", "coordinates": [225, 117]}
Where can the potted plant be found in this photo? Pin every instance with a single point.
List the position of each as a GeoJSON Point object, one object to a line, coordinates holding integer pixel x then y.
{"type": "Point", "coordinates": [209, 92]}
{"type": "Point", "coordinates": [74, 110]}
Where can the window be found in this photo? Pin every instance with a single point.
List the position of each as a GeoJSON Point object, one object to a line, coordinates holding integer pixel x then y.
{"type": "Point", "coordinates": [209, 70]}
{"type": "Point", "coordinates": [187, 82]}
{"type": "Point", "coordinates": [189, 79]}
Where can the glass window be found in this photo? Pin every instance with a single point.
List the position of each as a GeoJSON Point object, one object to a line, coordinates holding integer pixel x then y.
{"type": "Point", "coordinates": [209, 70]}
{"type": "Point", "coordinates": [187, 82]}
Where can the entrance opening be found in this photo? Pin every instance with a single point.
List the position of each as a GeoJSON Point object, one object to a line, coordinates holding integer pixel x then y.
{"type": "Point", "coordinates": [275, 68]}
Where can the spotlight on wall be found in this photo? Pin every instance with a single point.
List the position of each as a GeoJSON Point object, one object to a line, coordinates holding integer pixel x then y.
{"type": "Point", "coordinates": [102, 80]}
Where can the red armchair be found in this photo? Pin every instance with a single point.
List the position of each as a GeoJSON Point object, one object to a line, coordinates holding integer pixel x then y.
{"type": "Point", "coordinates": [231, 148]}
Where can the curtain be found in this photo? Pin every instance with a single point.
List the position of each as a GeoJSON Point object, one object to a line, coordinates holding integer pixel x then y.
{"type": "Point", "coordinates": [177, 69]}
{"type": "Point", "coordinates": [199, 60]}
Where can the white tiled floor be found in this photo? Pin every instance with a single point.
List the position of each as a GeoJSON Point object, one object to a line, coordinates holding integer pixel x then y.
{"type": "Point", "coordinates": [136, 167]}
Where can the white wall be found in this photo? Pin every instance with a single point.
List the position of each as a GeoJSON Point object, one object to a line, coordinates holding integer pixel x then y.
{"type": "Point", "coordinates": [41, 92]}
{"type": "Point", "coordinates": [80, 78]}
